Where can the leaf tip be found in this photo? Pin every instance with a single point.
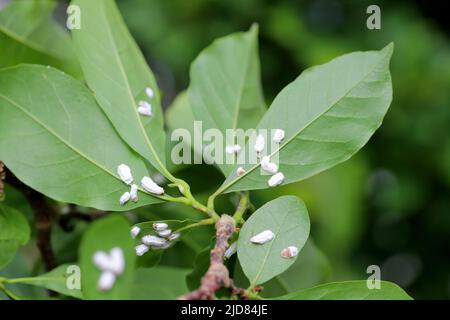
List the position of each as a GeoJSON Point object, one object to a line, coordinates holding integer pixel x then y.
{"type": "Point", "coordinates": [254, 29]}
{"type": "Point", "coordinates": [389, 49]}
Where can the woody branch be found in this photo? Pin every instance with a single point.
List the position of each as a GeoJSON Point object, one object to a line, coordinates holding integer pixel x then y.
{"type": "Point", "coordinates": [217, 276]}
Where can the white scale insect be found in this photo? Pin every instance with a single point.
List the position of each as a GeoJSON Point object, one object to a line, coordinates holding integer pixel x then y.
{"type": "Point", "coordinates": [233, 149]}
{"type": "Point", "coordinates": [262, 237]}
{"type": "Point", "coordinates": [145, 108]}
{"type": "Point", "coordinates": [135, 231]}
{"type": "Point", "coordinates": [150, 186]}
{"type": "Point", "coordinates": [134, 193]}
{"type": "Point", "coordinates": [276, 179]}
{"type": "Point", "coordinates": [289, 252]}
{"type": "Point", "coordinates": [259, 144]}
{"type": "Point", "coordinates": [240, 171]}
{"type": "Point", "coordinates": [111, 265]}
{"type": "Point", "coordinates": [141, 249]}
{"type": "Point", "coordinates": [268, 166]}
{"type": "Point", "coordinates": [278, 135]}
{"type": "Point", "coordinates": [231, 250]}
{"type": "Point", "coordinates": [124, 173]}
{"type": "Point", "coordinates": [154, 241]}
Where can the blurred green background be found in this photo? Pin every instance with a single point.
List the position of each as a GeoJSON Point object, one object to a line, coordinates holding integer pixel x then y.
{"type": "Point", "coordinates": [389, 205]}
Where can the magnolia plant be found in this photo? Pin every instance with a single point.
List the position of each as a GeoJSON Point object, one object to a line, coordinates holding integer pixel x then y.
{"type": "Point", "coordinates": [93, 137]}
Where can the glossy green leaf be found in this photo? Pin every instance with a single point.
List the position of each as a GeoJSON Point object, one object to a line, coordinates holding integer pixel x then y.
{"type": "Point", "coordinates": [310, 269]}
{"type": "Point", "coordinates": [39, 40]}
{"type": "Point", "coordinates": [350, 290]}
{"type": "Point", "coordinates": [328, 113]}
{"type": "Point", "coordinates": [225, 90]}
{"type": "Point", "coordinates": [14, 232]}
{"type": "Point", "coordinates": [159, 283]}
{"type": "Point", "coordinates": [58, 280]}
{"type": "Point", "coordinates": [103, 235]}
{"type": "Point", "coordinates": [55, 138]}
{"type": "Point", "coordinates": [288, 219]}
{"type": "Point", "coordinates": [116, 71]}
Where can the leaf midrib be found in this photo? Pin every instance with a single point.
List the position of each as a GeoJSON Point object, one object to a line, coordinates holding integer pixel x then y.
{"type": "Point", "coordinates": [255, 279]}
{"type": "Point", "coordinates": [231, 183]}
{"type": "Point", "coordinates": [56, 135]}
{"type": "Point", "coordinates": [241, 86]}
{"type": "Point", "coordinates": [128, 89]}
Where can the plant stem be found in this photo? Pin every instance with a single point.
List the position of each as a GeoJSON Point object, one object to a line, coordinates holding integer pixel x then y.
{"type": "Point", "coordinates": [204, 222]}
{"type": "Point", "coordinates": [217, 275]}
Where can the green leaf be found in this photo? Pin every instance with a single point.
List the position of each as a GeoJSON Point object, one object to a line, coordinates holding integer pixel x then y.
{"type": "Point", "coordinates": [55, 280]}
{"type": "Point", "coordinates": [225, 90]}
{"type": "Point", "coordinates": [179, 115]}
{"type": "Point", "coordinates": [159, 283]}
{"type": "Point", "coordinates": [328, 113]}
{"type": "Point", "coordinates": [14, 232]}
{"type": "Point", "coordinates": [116, 71]}
{"type": "Point", "coordinates": [349, 290]}
{"type": "Point", "coordinates": [310, 269]}
{"type": "Point", "coordinates": [103, 235]}
{"type": "Point", "coordinates": [55, 138]}
{"type": "Point", "coordinates": [288, 219]}
{"type": "Point", "coordinates": [39, 40]}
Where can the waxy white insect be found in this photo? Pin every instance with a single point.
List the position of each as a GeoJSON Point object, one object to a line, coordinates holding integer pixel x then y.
{"type": "Point", "coordinates": [278, 135]}
{"type": "Point", "coordinates": [106, 281]}
{"type": "Point", "coordinates": [135, 231]}
{"type": "Point", "coordinates": [154, 241]}
{"type": "Point", "coordinates": [268, 166]}
{"type": "Point", "coordinates": [102, 260]}
{"type": "Point", "coordinates": [164, 246]}
{"type": "Point", "coordinates": [114, 262]}
{"type": "Point", "coordinates": [124, 173]}
{"type": "Point", "coordinates": [134, 193]}
{"type": "Point", "coordinates": [149, 92]}
{"type": "Point", "coordinates": [174, 236]}
{"type": "Point", "coordinates": [276, 179]}
{"type": "Point", "coordinates": [232, 149]}
{"type": "Point", "coordinates": [259, 143]}
{"type": "Point", "coordinates": [159, 226]}
{"type": "Point", "coordinates": [231, 250]}
{"type": "Point", "coordinates": [145, 108]}
{"type": "Point", "coordinates": [117, 261]}
{"type": "Point", "coordinates": [111, 265]}
{"type": "Point", "coordinates": [124, 198]}
{"type": "Point", "coordinates": [289, 252]}
{"type": "Point", "coordinates": [150, 186]}
{"type": "Point", "coordinates": [141, 249]}
{"type": "Point", "coordinates": [262, 237]}
{"type": "Point", "coordinates": [240, 171]}
{"type": "Point", "coordinates": [164, 233]}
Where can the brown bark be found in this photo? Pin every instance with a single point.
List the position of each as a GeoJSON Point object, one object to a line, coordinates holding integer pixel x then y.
{"type": "Point", "coordinates": [217, 276]}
